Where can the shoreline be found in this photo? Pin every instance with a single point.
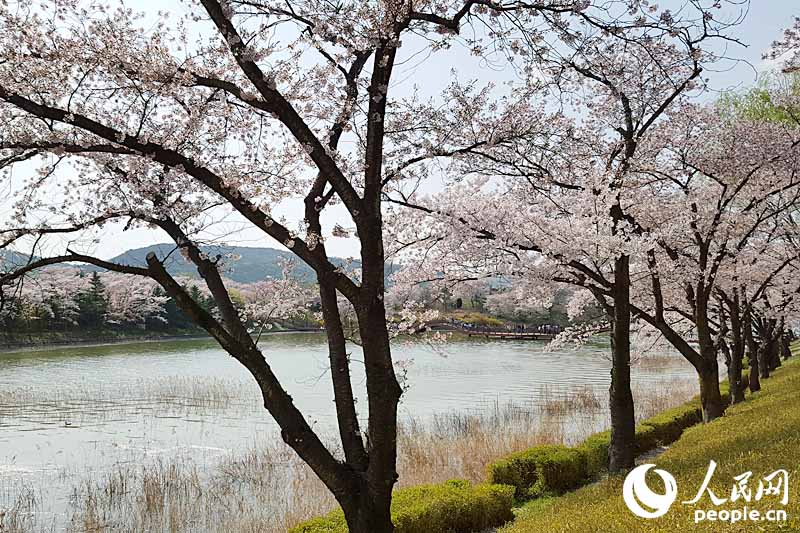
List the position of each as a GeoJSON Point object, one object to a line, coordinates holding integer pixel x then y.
{"type": "Point", "coordinates": [10, 347]}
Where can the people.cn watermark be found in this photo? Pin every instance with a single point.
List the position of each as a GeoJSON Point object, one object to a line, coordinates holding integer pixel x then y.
{"type": "Point", "coordinates": [646, 503]}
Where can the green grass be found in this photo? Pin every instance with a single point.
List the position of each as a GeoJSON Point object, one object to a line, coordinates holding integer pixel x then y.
{"type": "Point", "coordinates": [760, 435]}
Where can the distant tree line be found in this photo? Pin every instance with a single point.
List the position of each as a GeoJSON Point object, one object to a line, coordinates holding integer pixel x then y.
{"type": "Point", "coordinates": [68, 299]}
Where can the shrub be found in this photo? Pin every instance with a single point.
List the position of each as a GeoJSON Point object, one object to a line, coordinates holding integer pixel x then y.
{"type": "Point", "coordinates": [541, 470]}
{"type": "Point", "coordinates": [669, 425]}
{"type": "Point", "coordinates": [595, 449]}
{"type": "Point", "coordinates": [479, 319]}
{"type": "Point", "coordinates": [455, 506]}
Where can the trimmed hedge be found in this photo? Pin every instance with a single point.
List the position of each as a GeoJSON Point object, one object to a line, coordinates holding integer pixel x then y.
{"type": "Point", "coordinates": [669, 425]}
{"type": "Point", "coordinates": [540, 470]}
{"type": "Point", "coordinates": [649, 434]}
{"type": "Point", "coordinates": [456, 506]}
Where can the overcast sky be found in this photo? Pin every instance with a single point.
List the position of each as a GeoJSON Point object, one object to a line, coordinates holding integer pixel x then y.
{"type": "Point", "coordinates": [763, 24]}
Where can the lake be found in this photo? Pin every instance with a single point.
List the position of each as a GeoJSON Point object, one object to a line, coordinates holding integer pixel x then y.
{"type": "Point", "coordinates": [72, 413]}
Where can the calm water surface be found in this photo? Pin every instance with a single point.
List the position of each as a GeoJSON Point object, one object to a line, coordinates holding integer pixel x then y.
{"type": "Point", "coordinates": [68, 413]}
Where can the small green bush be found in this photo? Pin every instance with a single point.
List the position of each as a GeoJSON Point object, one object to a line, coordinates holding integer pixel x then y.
{"type": "Point", "coordinates": [455, 506]}
{"type": "Point", "coordinates": [541, 470]}
{"type": "Point", "coordinates": [595, 448]}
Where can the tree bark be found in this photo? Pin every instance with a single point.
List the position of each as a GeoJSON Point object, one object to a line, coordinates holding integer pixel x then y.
{"type": "Point", "coordinates": [707, 368]}
{"type": "Point", "coordinates": [621, 454]}
{"type": "Point", "coordinates": [710, 397]}
{"type": "Point", "coordinates": [785, 346]}
{"type": "Point", "coordinates": [737, 352]}
{"type": "Point", "coordinates": [735, 378]}
{"type": "Point", "coordinates": [764, 350]}
{"type": "Point", "coordinates": [752, 351]}
{"type": "Point", "coordinates": [774, 354]}
{"type": "Point", "coordinates": [346, 415]}
{"type": "Point", "coordinates": [366, 514]}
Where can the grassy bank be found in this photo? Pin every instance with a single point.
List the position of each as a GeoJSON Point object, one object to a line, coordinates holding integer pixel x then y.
{"type": "Point", "coordinates": [761, 435]}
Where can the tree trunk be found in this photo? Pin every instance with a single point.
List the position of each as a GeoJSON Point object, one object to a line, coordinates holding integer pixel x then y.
{"type": "Point", "coordinates": [775, 354]}
{"type": "Point", "coordinates": [785, 348]}
{"type": "Point", "coordinates": [621, 451]}
{"type": "Point", "coordinates": [384, 393]}
{"type": "Point", "coordinates": [365, 515]}
{"type": "Point", "coordinates": [764, 352]}
{"type": "Point", "coordinates": [752, 352]}
{"type": "Point", "coordinates": [710, 397]}
{"type": "Point", "coordinates": [754, 381]}
{"type": "Point", "coordinates": [737, 354]}
{"type": "Point", "coordinates": [708, 368]}
{"type": "Point", "coordinates": [735, 379]}
{"type": "Point", "coordinates": [383, 389]}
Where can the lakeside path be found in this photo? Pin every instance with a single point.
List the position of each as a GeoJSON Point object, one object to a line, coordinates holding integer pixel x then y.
{"type": "Point", "coordinates": [761, 435]}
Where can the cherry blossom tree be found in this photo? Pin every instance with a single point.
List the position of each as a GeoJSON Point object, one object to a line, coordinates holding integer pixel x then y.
{"type": "Point", "coordinates": [554, 205]}
{"type": "Point", "coordinates": [268, 301]}
{"type": "Point", "coordinates": [787, 49]}
{"type": "Point", "coordinates": [132, 300]}
{"type": "Point", "coordinates": [52, 296]}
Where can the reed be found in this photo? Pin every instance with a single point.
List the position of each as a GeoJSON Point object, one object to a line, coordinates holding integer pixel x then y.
{"type": "Point", "coordinates": [267, 488]}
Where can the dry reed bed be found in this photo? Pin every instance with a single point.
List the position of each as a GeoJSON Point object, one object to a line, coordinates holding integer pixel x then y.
{"type": "Point", "coordinates": [172, 393]}
{"type": "Point", "coordinates": [269, 489]}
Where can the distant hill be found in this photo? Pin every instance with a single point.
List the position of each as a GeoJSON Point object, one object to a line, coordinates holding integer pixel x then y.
{"type": "Point", "coordinates": [10, 258]}
{"type": "Point", "coordinates": [253, 264]}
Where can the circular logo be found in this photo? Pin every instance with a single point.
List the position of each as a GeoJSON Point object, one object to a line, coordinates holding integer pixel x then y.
{"type": "Point", "coordinates": [635, 490]}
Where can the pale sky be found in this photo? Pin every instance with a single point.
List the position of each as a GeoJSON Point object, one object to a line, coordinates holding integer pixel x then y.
{"type": "Point", "coordinates": [763, 24]}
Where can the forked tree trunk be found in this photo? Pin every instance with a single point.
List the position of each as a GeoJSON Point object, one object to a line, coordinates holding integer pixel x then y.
{"type": "Point", "coordinates": [706, 367]}
{"type": "Point", "coordinates": [621, 453]}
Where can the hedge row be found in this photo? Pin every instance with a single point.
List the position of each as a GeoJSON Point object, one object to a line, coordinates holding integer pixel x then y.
{"type": "Point", "coordinates": [555, 469]}
{"type": "Point", "coordinates": [540, 470]}
{"type": "Point", "coordinates": [456, 506]}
